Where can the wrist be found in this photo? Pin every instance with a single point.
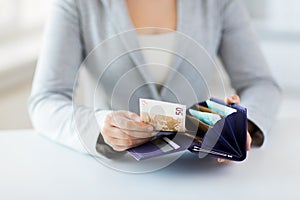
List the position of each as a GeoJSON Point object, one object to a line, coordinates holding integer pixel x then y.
{"type": "Point", "coordinates": [256, 134]}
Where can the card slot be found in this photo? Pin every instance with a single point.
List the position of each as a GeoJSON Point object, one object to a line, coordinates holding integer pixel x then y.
{"type": "Point", "coordinates": [239, 121]}
{"type": "Point", "coordinates": [203, 109]}
{"type": "Point", "coordinates": [229, 132]}
{"type": "Point", "coordinates": [221, 146]}
{"type": "Point", "coordinates": [233, 137]}
{"type": "Point", "coordinates": [205, 117]}
{"type": "Point", "coordinates": [222, 109]}
{"type": "Point", "coordinates": [241, 133]}
{"type": "Point", "coordinates": [214, 139]}
{"type": "Point", "coordinates": [195, 125]}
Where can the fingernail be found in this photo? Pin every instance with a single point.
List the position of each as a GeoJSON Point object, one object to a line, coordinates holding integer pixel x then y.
{"type": "Point", "coordinates": [234, 101]}
{"type": "Point", "coordinates": [227, 100]}
{"type": "Point", "coordinates": [137, 119]}
{"type": "Point", "coordinates": [150, 128]}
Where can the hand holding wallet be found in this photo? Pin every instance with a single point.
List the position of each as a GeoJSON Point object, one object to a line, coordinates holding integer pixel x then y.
{"type": "Point", "coordinates": [225, 139]}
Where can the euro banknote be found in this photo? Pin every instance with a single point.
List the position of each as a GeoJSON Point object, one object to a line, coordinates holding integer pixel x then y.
{"type": "Point", "coordinates": [163, 116]}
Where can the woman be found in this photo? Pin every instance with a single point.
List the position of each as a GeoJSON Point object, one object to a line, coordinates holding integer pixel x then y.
{"type": "Point", "coordinates": [76, 27]}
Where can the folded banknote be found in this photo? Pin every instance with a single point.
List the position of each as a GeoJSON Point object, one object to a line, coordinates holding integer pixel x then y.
{"type": "Point", "coordinates": [163, 116]}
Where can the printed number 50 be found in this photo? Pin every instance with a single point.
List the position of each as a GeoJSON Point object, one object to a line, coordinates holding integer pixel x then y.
{"type": "Point", "coordinates": [179, 111]}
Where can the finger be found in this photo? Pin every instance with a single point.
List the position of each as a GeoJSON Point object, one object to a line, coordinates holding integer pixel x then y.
{"type": "Point", "coordinates": [129, 124]}
{"type": "Point", "coordinates": [134, 116]}
{"type": "Point", "coordinates": [122, 145]}
{"type": "Point", "coordinates": [221, 160]}
{"type": "Point", "coordinates": [128, 115]}
{"type": "Point", "coordinates": [114, 132]}
{"type": "Point", "coordinates": [249, 141]}
{"type": "Point", "coordinates": [236, 99]}
{"type": "Point", "coordinates": [126, 143]}
{"type": "Point", "coordinates": [121, 148]}
{"type": "Point", "coordinates": [139, 134]}
{"type": "Point", "coordinates": [232, 99]}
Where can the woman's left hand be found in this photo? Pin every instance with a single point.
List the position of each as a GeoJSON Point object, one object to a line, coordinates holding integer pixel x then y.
{"type": "Point", "coordinates": [236, 100]}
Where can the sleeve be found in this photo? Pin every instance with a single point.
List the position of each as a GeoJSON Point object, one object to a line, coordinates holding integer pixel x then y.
{"type": "Point", "coordinates": [248, 71]}
{"type": "Point", "coordinates": [51, 107]}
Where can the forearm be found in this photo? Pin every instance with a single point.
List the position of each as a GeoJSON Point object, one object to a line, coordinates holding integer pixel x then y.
{"type": "Point", "coordinates": [248, 69]}
{"type": "Point", "coordinates": [54, 116]}
{"type": "Point", "coordinates": [77, 127]}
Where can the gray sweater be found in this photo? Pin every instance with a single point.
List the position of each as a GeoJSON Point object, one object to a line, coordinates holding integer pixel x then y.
{"type": "Point", "coordinates": [97, 36]}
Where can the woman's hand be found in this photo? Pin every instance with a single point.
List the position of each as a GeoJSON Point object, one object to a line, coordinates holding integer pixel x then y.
{"type": "Point", "coordinates": [123, 130]}
{"type": "Point", "coordinates": [236, 100]}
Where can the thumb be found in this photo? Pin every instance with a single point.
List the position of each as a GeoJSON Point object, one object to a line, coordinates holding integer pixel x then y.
{"type": "Point", "coordinates": [232, 99]}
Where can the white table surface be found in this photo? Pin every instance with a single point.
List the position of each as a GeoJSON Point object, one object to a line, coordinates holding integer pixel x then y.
{"type": "Point", "coordinates": [32, 167]}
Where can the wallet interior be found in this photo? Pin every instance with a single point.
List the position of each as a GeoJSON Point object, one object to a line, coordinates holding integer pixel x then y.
{"type": "Point", "coordinates": [225, 139]}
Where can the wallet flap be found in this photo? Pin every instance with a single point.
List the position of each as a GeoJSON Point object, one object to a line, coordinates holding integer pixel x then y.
{"type": "Point", "coordinates": [229, 132]}
{"type": "Point", "coordinates": [214, 139]}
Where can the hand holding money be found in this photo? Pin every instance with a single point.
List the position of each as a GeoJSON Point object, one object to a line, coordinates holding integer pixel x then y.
{"type": "Point", "coordinates": [123, 130]}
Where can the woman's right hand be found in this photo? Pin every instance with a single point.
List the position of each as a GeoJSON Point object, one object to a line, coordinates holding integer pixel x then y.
{"type": "Point", "coordinates": [123, 130]}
